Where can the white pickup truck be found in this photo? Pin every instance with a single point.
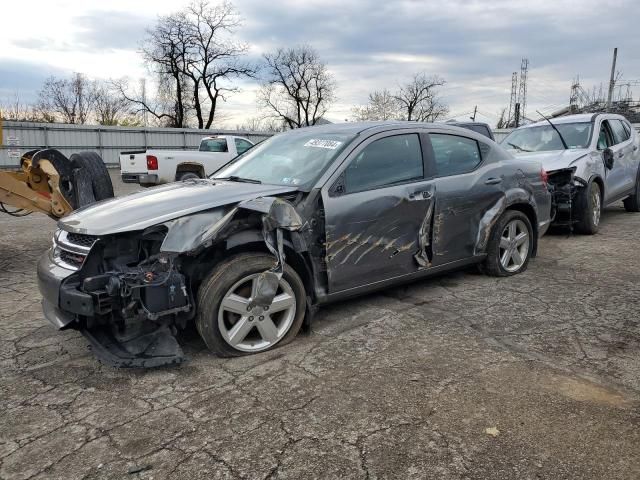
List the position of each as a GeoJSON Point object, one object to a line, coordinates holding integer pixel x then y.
{"type": "Point", "coordinates": [155, 167]}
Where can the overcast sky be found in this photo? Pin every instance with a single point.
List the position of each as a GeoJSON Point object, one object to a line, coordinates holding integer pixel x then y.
{"type": "Point", "coordinates": [475, 45]}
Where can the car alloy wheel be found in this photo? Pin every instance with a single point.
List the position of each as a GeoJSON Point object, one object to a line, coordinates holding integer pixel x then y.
{"type": "Point", "coordinates": [596, 206]}
{"type": "Point", "coordinates": [255, 329]}
{"type": "Point", "coordinates": [514, 245]}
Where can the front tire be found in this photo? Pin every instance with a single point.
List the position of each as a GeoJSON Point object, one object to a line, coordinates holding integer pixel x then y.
{"type": "Point", "coordinates": [510, 245]}
{"type": "Point", "coordinates": [188, 176]}
{"type": "Point", "coordinates": [226, 324]}
{"type": "Point", "coordinates": [589, 209]}
{"type": "Point", "coordinates": [632, 204]}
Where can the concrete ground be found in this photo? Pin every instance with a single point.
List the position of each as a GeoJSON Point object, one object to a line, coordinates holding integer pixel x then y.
{"type": "Point", "coordinates": [459, 377]}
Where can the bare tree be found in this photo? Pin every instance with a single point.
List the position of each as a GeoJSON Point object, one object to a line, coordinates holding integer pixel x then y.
{"type": "Point", "coordinates": [110, 108]}
{"type": "Point", "coordinates": [195, 59]}
{"type": "Point", "coordinates": [163, 106]}
{"type": "Point", "coordinates": [261, 124]}
{"type": "Point", "coordinates": [382, 105]}
{"type": "Point", "coordinates": [298, 88]}
{"type": "Point", "coordinates": [13, 108]}
{"type": "Point", "coordinates": [213, 57]}
{"type": "Point", "coordinates": [419, 101]}
{"type": "Point", "coordinates": [69, 99]}
{"type": "Point", "coordinates": [165, 52]}
{"type": "Point", "coordinates": [503, 120]}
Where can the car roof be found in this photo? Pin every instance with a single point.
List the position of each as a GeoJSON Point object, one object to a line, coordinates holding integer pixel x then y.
{"type": "Point", "coordinates": [359, 127]}
{"type": "Point", "coordinates": [577, 118]}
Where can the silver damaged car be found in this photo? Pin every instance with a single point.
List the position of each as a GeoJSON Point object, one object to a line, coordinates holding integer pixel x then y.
{"type": "Point", "coordinates": [592, 161]}
{"type": "Point", "coordinates": [304, 218]}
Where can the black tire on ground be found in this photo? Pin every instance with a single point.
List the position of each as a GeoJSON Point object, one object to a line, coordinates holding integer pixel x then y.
{"type": "Point", "coordinates": [492, 265]}
{"type": "Point", "coordinates": [632, 203]}
{"type": "Point", "coordinates": [187, 176]}
{"type": "Point", "coordinates": [584, 209]}
{"type": "Point", "coordinates": [92, 163]}
{"type": "Point", "coordinates": [221, 279]}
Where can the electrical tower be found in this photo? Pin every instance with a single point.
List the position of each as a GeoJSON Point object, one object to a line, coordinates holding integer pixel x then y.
{"type": "Point", "coordinates": [513, 100]}
{"type": "Point", "coordinates": [522, 95]}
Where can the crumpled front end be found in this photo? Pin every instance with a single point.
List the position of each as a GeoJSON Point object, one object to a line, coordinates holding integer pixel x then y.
{"type": "Point", "coordinates": [130, 293]}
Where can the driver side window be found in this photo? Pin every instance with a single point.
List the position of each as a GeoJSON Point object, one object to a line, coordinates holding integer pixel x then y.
{"type": "Point", "coordinates": [387, 161]}
{"type": "Point", "coordinates": [604, 138]}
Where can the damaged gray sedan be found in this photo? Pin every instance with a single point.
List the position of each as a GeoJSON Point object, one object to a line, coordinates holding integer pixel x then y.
{"type": "Point", "coordinates": [305, 218]}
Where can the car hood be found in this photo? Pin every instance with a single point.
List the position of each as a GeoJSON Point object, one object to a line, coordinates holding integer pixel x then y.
{"type": "Point", "coordinates": [160, 204]}
{"type": "Point", "coordinates": [555, 159]}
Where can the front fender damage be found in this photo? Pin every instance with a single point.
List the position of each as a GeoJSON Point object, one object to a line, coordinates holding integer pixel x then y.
{"type": "Point", "coordinates": [146, 337]}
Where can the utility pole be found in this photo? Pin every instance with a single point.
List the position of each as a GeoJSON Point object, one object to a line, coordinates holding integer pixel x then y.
{"type": "Point", "coordinates": [513, 100]}
{"type": "Point", "coordinates": [612, 80]}
{"type": "Point", "coordinates": [522, 95]}
{"type": "Point", "coordinates": [475, 110]}
{"type": "Point", "coordinates": [143, 84]}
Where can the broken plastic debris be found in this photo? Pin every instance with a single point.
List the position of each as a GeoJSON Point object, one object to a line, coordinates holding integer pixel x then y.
{"type": "Point", "coordinates": [493, 431]}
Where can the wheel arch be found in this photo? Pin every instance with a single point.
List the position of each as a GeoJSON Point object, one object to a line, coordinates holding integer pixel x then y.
{"type": "Point", "coordinates": [190, 167]}
{"type": "Point", "coordinates": [598, 179]}
{"type": "Point", "coordinates": [253, 241]}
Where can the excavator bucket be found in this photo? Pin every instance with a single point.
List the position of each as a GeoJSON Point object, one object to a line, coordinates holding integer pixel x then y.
{"type": "Point", "coordinates": [50, 183]}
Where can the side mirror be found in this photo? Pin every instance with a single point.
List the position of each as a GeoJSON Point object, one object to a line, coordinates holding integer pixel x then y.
{"type": "Point", "coordinates": [607, 155]}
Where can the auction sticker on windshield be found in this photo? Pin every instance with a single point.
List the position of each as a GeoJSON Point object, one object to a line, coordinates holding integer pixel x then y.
{"type": "Point", "coordinates": [330, 144]}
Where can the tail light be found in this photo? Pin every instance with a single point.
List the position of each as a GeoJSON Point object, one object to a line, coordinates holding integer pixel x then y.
{"type": "Point", "coordinates": [152, 162]}
{"type": "Point", "coordinates": [544, 176]}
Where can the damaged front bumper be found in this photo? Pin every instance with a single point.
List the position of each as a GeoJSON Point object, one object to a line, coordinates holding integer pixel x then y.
{"type": "Point", "coordinates": [137, 343]}
{"type": "Point", "coordinates": [128, 294]}
{"type": "Point", "coordinates": [564, 187]}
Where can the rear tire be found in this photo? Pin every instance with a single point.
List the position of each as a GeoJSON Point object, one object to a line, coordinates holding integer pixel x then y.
{"type": "Point", "coordinates": [187, 176]}
{"type": "Point", "coordinates": [510, 245]}
{"type": "Point", "coordinates": [215, 321]}
{"type": "Point", "coordinates": [589, 209]}
{"type": "Point", "coordinates": [92, 163]}
{"type": "Point", "coordinates": [632, 204]}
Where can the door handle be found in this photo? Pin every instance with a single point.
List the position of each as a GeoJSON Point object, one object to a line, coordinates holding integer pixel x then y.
{"type": "Point", "coordinates": [421, 195]}
{"type": "Point", "coordinates": [493, 181]}
{"type": "Point", "coordinates": [635, 147]}
{"type": "Point", "coordinates": [620, 154]}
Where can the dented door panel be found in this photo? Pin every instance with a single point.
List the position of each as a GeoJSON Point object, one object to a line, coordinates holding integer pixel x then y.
{"type": "Point", "coordinates": [461, 203]}
{"type": "Point", "coordinates": [379, 234]}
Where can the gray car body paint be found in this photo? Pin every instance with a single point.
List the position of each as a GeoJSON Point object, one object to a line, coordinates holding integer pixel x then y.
{"type": "Point", "coordinates": [350, 243]}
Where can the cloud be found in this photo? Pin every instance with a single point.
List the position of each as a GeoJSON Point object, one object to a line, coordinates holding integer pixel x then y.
{"type": "Point", "coordinates": [24, 78]}
{"type": "Point", "coordinates": [107, 30]}
{"type": "Point", "coordinates": [367, 44]}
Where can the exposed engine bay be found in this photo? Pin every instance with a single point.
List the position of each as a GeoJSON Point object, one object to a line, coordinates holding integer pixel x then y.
{"type": "Point", "coordinates": [133, 291]}
{"type": "Point", "coordinates": [564, 187]}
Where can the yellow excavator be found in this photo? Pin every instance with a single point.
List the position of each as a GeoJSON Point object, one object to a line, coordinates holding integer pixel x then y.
{"type": "Point", "coordinates": [48, 182]}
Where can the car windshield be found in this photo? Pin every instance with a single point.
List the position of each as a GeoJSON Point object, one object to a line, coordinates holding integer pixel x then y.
{"type": "Point", "coordinates": [544, 137]}
{"type": "Point", "coordinates": [292, 158]}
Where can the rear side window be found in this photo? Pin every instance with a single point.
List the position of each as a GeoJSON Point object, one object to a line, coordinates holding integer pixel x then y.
{"type": "Point", "coordinates": [481, 129]}
{"type": "Point", "coordinates": [620, 134]}
{"type": "Point", "coordinates": [454, 155]}
{"type": "Point", "coordinates": [386, 161]}
{"type": "Point", "coordinates": [242, 145]}
{"type": "Point", "coordinates": [214, 145]}
{"type": "Point", "coordinates": [627, 128]}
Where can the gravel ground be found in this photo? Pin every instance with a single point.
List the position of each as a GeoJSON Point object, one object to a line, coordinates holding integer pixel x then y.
{"type": "Point", "coordinates": [458, 377]}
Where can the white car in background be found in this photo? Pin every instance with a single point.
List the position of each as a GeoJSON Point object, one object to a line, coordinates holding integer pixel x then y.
{"type": "Point", "coordinates": [592, 161]}
{"type": "Point", "coordinates": [155, 167]}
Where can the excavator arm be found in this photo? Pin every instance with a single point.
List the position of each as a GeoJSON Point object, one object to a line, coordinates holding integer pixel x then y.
{"type": "Point", "coordinates": [50, 183]}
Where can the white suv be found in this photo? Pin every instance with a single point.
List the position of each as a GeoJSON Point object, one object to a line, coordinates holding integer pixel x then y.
{"type": "Point", "coordinates": [592, 161]}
